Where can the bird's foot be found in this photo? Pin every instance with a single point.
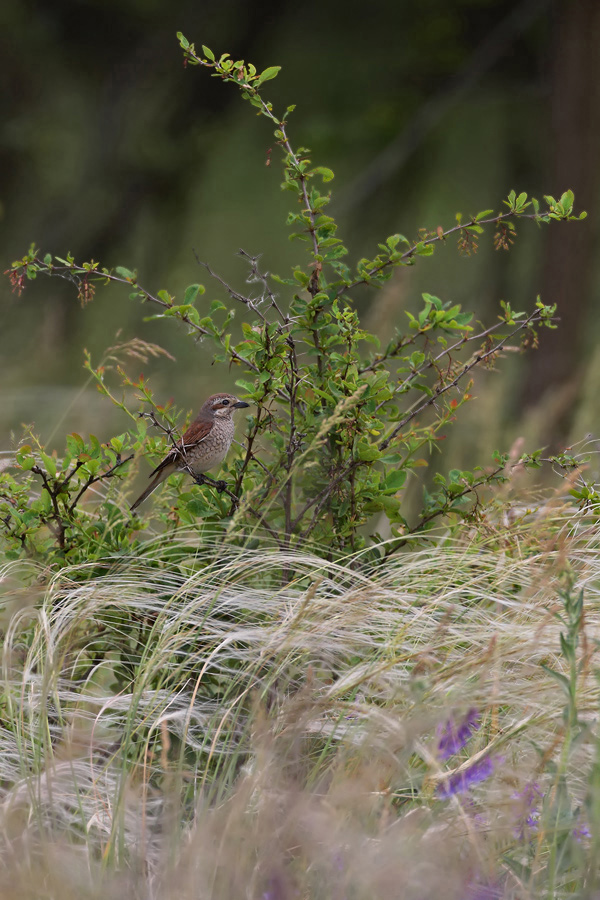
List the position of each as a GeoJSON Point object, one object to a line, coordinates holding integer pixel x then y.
{"type": "Point", "coordinates": [199, 479]}
{"type": "Point", "coordinates": [221, 486]}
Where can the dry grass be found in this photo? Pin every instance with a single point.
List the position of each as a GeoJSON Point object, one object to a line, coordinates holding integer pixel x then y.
{"type": "Point", "coordinates": [193, 728]}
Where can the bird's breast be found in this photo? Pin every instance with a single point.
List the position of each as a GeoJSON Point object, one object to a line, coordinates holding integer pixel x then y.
{"type": "Point", "coordinates": [212, 450]}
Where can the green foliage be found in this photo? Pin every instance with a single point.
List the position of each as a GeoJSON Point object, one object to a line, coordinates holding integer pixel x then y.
{"type": "Point", "coordinates": [561, 815]}
{"type": "Point", "coordinates": [339, 421]}
{"type": "Point", "coordinates": [39, 519]}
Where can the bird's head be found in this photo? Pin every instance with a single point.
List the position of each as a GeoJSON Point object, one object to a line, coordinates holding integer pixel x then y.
{"type": "Point", "coordinates": [223, 405]}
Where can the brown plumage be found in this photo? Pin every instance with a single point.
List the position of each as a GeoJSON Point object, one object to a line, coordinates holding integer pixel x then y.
{"type": "Point", "coordinates": [203, 446]}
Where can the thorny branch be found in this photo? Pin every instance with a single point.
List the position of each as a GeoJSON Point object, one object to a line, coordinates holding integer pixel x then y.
{"type": "Point", "coordinates": [533, 317]}
{"type": "Point", "coordinates": [294, 162]}
{"type": "Point", "coordinates": [320, 499]}
{"type": "Point", "coordinates": [55, 489]}
{"type": "Point", "coordinates": [433, 239]}
{"type": "Point", "coordinates": [258, 276]}
{"type": "Point", "coordinates": [95, 478]}
{"type": "Point", "coordinates": [74, 274]}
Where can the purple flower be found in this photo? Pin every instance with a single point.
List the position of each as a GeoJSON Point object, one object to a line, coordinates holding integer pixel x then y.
{"type": "Point", "coordinates": [580, 832]}
{"type": "Point", "coordinates": [462, 781]}
{"type": "Point", "coordinates": [529, 815]}
{"type": "Point", "coordinates": [453, 736]}
{"type": "Point", "coordinates": [530, 794]}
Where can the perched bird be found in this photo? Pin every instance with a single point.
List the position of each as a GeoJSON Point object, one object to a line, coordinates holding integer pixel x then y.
{"type": "Point", "coordinates": [203, 446]}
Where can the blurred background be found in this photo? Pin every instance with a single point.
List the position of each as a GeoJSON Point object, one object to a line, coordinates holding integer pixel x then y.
{"type": "Point", "coordinates": [111, 150]}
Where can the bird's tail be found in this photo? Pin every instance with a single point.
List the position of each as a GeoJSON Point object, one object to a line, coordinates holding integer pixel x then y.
{"type": "Point", "coordinates": [160, 477]}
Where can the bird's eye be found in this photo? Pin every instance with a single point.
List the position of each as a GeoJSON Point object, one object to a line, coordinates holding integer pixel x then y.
{"type": "Point", "coordinates": [225, 402]}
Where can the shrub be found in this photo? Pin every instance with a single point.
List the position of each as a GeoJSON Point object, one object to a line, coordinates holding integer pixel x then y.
{"type": "Point", "coordinates": [338, 422]}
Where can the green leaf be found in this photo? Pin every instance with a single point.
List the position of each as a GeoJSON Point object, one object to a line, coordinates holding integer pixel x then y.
{"type": "Point", "coordinates": [561, 679]}
{"type": "Point", "coordinates": [395, 480]}
{"type": "Point", "coordinates": [94, 448]}
{"type": "Point", "coordinates": [24, 459]}
{"type": "Point", "coordinates": [566, 201]}
{"type": "Point", "coordinates": [50, 463]}
{"type": "Point", "coordinates": [301, 277]}
{"type": "Point", "coordinates": [208, 52]}
{"type": "Point", "coordinates": [245, 385]}
{"type": "Point", "coordinates": [367, 452]}
{"type": "Point", "coordinates": [75, 444]}
{"type": "Point", "coordinates": [125, 273]}
{"type": "Point", "coordinates": [268, 74]}
{"type": "Point", "coordinates": [394, 239]}
{"type": "Point", "coordinates": [326, 173]}
{"type": "Point", "coordinates": [92, 466]}
{"type": "Point", "coordinates": [192, 292]}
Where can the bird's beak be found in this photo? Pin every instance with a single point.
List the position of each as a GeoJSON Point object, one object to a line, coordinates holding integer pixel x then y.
{"type": "Point", "coordinates": [240, 404]}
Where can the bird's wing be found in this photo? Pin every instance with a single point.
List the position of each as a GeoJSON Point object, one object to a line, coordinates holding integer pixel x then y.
{"type": "Point", "coordinates": [196, 433]}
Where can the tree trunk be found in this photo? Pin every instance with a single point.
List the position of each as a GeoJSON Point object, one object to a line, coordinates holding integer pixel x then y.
{"type": "Point", "coordinates": [570, 250]}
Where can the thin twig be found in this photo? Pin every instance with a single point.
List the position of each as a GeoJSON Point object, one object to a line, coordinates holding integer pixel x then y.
{"type": "Point", "coordinates": [95, 478]}
{"type": "Point", "coordinates": [434, 239]}
{"type": "Point", "coordinates": [75, 273]}
{"type": "Point", "coordinates": [481, 357]}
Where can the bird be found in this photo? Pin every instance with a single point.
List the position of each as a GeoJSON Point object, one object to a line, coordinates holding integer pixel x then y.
{"type": "Point", "coordinates": [203, 446]}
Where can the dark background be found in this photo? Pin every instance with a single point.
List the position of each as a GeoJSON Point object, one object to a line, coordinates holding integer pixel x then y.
{"type": "Point", "coordinates": [109, 149]}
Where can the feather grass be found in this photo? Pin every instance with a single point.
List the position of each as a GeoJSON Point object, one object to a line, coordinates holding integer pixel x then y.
{"type": "Point", "coordinates": [190, 723]}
